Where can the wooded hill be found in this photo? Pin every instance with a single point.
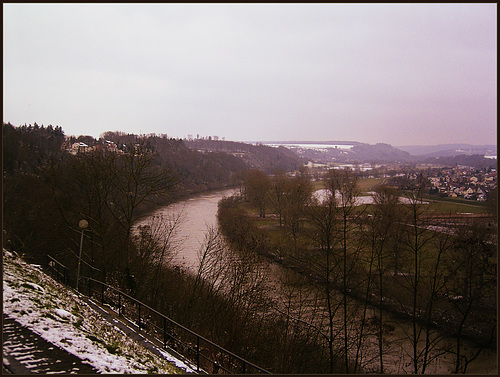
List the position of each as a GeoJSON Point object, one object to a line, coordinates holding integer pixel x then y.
{"type": "Point", "coordinates": [258, 156]}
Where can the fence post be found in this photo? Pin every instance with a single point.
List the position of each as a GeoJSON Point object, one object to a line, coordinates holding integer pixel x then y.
{"type": "Point", "coordinates": [119, 303]}
{"type": "Point", "coordinates": [139, 323]}
{"type": "Point", "coordinates": [164, 333]}
{"type": "Point", "coordinates": [197, 353]}
{"type": "Point", "coordinates": [90, 289]}
{"type": "Point", "coordinates": [102, 293]}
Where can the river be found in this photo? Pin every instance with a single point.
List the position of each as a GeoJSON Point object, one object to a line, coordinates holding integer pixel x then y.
{"type": "Point", "coordinates": [199, 213]}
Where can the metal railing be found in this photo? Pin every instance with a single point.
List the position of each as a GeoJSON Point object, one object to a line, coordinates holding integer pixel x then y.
{"type": "Point", "coordinates": [207, 356]}
{"type": "Point", "coordinates": [57, 270]}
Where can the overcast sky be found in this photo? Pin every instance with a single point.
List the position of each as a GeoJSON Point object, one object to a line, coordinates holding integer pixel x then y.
{"type": "Point", "coordinates": [402, 74]}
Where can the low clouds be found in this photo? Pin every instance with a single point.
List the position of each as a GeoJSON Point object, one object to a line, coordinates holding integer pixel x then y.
{"type": "Point", "coordinates": [370, 73]}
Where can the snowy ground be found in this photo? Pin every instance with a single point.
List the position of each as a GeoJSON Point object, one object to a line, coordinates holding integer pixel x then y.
{"type": "Point", "coordinates": [47, 308]}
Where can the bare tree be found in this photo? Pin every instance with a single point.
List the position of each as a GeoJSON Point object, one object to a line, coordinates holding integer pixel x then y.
{"type": "Point", "coordinates": [136, 178]}
{"type": "Point", "coordinates": [211, 269]}
{"type": "Point", "coordinates": [298, 193]}
{"type": "Point", "coordinates": [333, 221]}
{"type": "Point", "coordinates": [239, 180]}
{"type": "Point", "coordinates": [417, 239]}
{"type": "Point", "coordinates": [383, 224]}
{"type": "Point", "coordinates": [344, 184]}
{"type": "Point", "coordinates": [156, 245]}
{"type": "Point", "coordinates": [434, 284]}
{"type": "Point", "coordinates": [472, 290]}
{"type": "Point", "coordinates": [108, 189]}
{"type": "Point", "coordinates": [324, 220]}
{"type": "Point", "coordinates": [277, 195]}
{"type": "Point", "coordinates": [257, 188]}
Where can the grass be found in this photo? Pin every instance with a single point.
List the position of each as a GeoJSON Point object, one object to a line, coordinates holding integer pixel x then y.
{"type": "Point", "coordinates": [445, 206]}
{"type": "Point", "coordinates": [366, 185]}
{"type": "Point", "coordinates": [78, 323]}
{"type": "Point", "coordinates": [94, 338]}
{"type": "Point", "coordinates": [113, 348]}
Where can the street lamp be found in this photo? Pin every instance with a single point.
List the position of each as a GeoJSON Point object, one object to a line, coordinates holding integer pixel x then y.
{"type": "Point", "coordinates": [83, 224]}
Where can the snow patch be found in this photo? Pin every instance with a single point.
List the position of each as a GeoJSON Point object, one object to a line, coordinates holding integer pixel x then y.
{"type": "Point", "coordinates": [64, 314]}
{"type": "Point", "coordinates": [178, 363]}
{"type": "Point", "coordinates": [35, 286]}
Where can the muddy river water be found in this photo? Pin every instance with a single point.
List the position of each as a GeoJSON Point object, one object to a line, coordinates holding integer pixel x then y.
{"type": "Point", "coordinates": [199, 213]}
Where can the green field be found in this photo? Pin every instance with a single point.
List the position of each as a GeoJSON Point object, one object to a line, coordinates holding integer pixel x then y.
{"type": "Point", "coordinates": [366, 185]}
{"type": "Point", "coordinates": [450, 207]}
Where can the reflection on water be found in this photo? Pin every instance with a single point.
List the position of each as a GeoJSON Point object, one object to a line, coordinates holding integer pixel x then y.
{"type": "Point", "coordinates": [198, 214]}
{"type": "Point", "coordinates": [360, 200]}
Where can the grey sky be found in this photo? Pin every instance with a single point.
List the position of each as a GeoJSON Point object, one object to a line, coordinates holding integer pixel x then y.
{"type": "Point", "coordinates": [400, 74]}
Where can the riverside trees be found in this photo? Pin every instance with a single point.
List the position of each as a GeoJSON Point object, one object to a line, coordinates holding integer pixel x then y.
{"type": "Point", "coordinates": [392, 254]}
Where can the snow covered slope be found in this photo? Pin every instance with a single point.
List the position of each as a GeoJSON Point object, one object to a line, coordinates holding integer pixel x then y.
{"type": "Point", "coordinates": [47, 308]}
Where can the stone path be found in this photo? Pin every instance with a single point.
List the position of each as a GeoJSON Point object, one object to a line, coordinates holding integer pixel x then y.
{"type": "Point", "coordinates": [25, 352]}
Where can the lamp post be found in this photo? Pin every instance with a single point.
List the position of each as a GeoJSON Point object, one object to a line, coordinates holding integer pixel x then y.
{"type": "Point", "coordinates": [83, 224]}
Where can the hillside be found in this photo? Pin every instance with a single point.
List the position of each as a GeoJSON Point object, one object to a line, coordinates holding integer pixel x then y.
{"type": "Point", "coordinates": [59, 316]}
{"type": "Point", "coordinates": [258, 156]}
{"type": "Point", "coordinates": [379, 152]}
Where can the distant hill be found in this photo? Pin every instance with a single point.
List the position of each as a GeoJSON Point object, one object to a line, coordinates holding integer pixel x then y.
{"type": "Point", "coordinates": [379, 153]}
{"type": "Point", "coordinates": [476, 161]}
{"type": "Point", "coordinates": [312, 143]}
{"type": "Point", "coordinates": [449, 150]}
{"type": "Point", "coordinates": [346, 151]}
{"type": "Point", "coordinates": [356, 152]}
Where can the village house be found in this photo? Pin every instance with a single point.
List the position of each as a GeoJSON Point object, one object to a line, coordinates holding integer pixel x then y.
{"type": "Point", "coordinates": [79, 147]}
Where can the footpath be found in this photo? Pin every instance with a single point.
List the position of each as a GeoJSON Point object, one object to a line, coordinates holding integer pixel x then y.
{"type": "Point", "coordinates": [25, 352]}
